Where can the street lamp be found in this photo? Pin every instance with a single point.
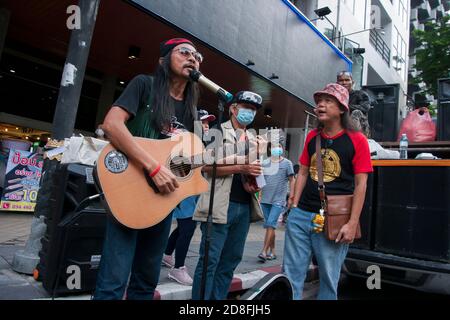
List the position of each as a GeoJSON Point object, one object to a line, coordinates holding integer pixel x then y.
{"type": "Point", "coordinates": [322, 14]}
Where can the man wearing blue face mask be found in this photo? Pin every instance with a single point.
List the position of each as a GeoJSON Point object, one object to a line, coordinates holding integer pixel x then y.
{"type": "Point", "coordinates": [278, 172]}
{"type": "Point", "coordinates": [235, 203]}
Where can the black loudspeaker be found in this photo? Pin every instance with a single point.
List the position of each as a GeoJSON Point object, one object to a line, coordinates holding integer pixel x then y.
{"type": "Point", "coordinates": [443, 117]}
{"type": "Point", "coordinates": [383, 116]}
{"type": "Point", "coordinates": [75, 231]}
{"type": "Point", "coordinates": [274, 286]}
{"type": "Point", "coordinates": [74, 250]}
{"type": "Point", "coordinates": [367, 217]}
{"type": "Point", "coordinates": [413, 212]}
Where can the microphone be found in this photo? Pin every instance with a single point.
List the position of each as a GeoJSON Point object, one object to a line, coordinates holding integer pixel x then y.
{"type": "Point", "coordinates": [220, 92]}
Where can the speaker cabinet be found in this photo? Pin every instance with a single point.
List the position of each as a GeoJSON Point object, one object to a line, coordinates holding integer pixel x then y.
{"type": "Point", "coordinates": [367, 217]}
{"type": "Point", "coordinates": [443, 109]}
{"type": "Point", "coordinates": [75, 231]}
{"type": "Point", "coordinates": [413, 212]}
{"type": "Point", "coordinates": [74, 250]}
{"type": "Point", "coordinates": [383, 116]}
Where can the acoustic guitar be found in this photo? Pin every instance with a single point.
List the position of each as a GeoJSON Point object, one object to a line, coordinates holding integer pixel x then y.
{"type": "Point", "coordinates": [132, 197]}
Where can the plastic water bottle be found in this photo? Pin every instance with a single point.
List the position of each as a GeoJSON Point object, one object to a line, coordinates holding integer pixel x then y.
{"type": "Point", "coordinates": [404, 147]}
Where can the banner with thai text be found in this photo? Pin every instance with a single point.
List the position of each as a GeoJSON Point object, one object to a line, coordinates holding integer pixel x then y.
{"type": "Point", "coordinates": [23, 173]}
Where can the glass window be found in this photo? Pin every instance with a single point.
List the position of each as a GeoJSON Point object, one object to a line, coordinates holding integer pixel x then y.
{"type": "Point", "coordinates": [402, 12]}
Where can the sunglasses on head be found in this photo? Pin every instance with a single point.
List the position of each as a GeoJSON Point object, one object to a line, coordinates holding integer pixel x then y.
{"type": "Point", "coordinates": [345, 73]}
{"type": "Point", "coordinates": [188, 52]}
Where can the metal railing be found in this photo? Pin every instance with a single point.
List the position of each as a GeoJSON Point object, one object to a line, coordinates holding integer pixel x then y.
{"type": "Point", "coordinates": [380, 46]}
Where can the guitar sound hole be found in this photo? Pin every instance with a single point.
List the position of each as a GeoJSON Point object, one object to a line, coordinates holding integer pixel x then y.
{"type": "Point", "coordinates": [180, 167]}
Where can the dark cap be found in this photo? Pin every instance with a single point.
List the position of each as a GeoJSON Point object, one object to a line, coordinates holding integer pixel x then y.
{"type": "Point", "coordinates": [168, 45]}
{"type": "Point", "coordinates": [248, 97]}
{"type": "Point", "coordinates": [203, 115]}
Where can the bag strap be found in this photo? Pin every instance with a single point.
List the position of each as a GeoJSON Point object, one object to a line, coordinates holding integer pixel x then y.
{"type": "Point", "coordinates": [323, 196]}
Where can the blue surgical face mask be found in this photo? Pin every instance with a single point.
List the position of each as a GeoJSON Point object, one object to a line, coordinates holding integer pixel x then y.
{"type": "Point", "coordinates": [245, 116]}
{"type": "Point", "coordinates": [276, 152]}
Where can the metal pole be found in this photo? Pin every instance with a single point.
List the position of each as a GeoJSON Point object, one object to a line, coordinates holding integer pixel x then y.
{"type": "Point", "coordinates": [209, 222]}
{"type": "Point", "coordinates": [74, 69]}
{"type": "Point", "coordinates": [25, 261]}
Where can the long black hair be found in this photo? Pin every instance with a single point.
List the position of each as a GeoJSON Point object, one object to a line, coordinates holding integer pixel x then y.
{"type": "Point", "coordinates": [163, 103]}
{"type": "Point", "coordinates": [346, 121]}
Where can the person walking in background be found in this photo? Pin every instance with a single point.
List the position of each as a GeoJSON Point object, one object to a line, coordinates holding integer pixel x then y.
{"type": "Point", "coordinates": [278, 172]}
{"type": "Point", "coordinates": [181, 237]}
{"type": "Point", "coordinates": [179, 241]}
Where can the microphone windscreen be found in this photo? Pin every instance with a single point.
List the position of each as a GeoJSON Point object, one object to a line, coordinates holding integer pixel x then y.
{"type": "Point", "coordinates": [194, 75]}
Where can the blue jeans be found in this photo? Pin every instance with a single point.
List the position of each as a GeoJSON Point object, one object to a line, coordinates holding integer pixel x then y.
{"type": "Point", "coordinates": [225, 252]}
{"type": "Point", "coordinates": [127, 250]}
{"type": "Point", "coordinates": [271, 214]}
{"type": "Point", "coordinates": [300, 242]}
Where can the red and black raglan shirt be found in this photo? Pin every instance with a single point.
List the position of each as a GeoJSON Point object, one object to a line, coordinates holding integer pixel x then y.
{"type": "Point", "coordinates": [343, 156]}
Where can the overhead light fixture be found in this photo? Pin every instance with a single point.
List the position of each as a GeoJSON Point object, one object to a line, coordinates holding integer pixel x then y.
{"type": "Point", "coordinates": [17, 128]}
{"type": "Point", "coordinates": [122, 82]}
{"type": "Point", "coordinates": [359, 50]}
{"type": "Point", "coordinates": [274, 76]}
{"type": "Point", "coordinates": [134, 52]}
{"type": "Point", "coordinates": [26, 138]}
{"type": "Point", "coordinates": [322, 12]}
{"type": "Point", "coordinates": [6, 129]}
{"type": "Point", "coordinates": [12, 71]}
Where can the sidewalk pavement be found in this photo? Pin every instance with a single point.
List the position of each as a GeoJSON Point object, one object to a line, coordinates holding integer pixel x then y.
{"type": "Point", "coordinates": [15, 229]}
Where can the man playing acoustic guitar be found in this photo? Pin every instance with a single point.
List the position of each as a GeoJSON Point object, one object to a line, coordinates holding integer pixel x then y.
{"type": "Point", "coordinates": [148, 107]}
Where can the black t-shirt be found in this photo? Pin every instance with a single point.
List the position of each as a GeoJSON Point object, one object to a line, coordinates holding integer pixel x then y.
{"type": "Point", "coordinates": [238, 193]}
{"type": "Point", "coordinates": [343, 156]}
{"type": "Point", "coordinates": [137, 95]}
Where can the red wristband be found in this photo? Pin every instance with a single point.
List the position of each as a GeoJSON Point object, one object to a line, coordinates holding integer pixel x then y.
{"type": "Point", "coordinates": [154, 172]}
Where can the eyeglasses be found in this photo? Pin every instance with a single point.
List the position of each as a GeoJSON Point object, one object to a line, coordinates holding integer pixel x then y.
{"type": "Point", "coordinates": [187, 52]}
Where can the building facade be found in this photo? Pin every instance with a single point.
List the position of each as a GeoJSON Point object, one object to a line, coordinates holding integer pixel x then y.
{"type": "Point", "coordinates": [373, 33]}
{"type": "Point", "coordinates": [422, 11]}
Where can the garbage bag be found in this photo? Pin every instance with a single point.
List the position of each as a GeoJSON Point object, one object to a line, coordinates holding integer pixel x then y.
{"type": "Point", "coordinates": [418, 126]}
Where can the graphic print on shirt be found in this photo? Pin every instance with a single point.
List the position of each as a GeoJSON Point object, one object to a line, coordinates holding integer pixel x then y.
{"type": "Point", "coordinates": [331, 166]}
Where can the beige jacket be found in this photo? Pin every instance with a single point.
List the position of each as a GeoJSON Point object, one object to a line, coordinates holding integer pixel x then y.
{"type": "Point", "coordinates": [222, 191]}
